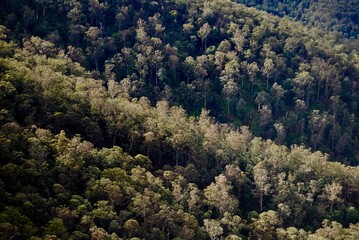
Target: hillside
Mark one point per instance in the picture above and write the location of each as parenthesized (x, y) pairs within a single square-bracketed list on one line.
[(283, 80), (341, 16), (182, 177), (174, 120)]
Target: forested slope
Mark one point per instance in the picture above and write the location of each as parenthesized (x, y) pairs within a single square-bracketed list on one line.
[(285, 81), (107, 127), (341, 16), (182, 177)]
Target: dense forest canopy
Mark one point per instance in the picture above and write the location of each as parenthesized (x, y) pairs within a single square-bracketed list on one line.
[(286, 81), (341, 16), (174, 119)]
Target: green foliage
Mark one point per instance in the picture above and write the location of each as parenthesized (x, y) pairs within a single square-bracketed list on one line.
[(335, 15), (15, 225), (94, 143), (258, 70), (57, 228)]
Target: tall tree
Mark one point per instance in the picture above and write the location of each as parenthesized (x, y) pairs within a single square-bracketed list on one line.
[(203, 33), (218, 195), (260, 175)]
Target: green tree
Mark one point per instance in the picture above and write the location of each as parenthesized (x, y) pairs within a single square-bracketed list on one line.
[(332, 192), (213, 228), (265, 226), (218, 195), (56, 227), (260, 175), (15, 225), (203, 33)]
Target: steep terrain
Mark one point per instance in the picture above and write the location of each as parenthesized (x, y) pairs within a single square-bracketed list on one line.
[(286, 81), (341, 16), (107, 127)]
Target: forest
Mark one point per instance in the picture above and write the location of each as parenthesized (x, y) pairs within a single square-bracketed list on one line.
[(179, 119), (341, 16)]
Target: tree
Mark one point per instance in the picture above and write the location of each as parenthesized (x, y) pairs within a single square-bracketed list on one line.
[(318, 123), (97, 11), (232, 224), (113, 88), (28, 17), (229, 78), (262, 99), (239, 40), (303, 82), (124, 58), (73, 153), (230, 89), (109, 74), (332, 193), (234, 174), (265, 116), (156, 24), (329, 230), (252, 70), (44, 5), (281, 133), (131, 227), (268, 70), (98, 233), (105, 188), (218, 195), (291, 233), (142, 67), (156, 60), (141, 34), (336, 107), (76, 25), (277, 92), (203, 33), (122, 15), (213, 228), (96, 48), (145, 204), (260, 175), (181, 141), (194, 199), (13, 224), (265, 226), (56, 227)]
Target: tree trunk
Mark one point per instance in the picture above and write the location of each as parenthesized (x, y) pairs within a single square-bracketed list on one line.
[(156, 77), (260, 201), (96, 63), (131, 145), (228, 101), (308, 95), (205, 100), (114, 138), (43, 12), (326, 89), (334, 132), (252, 81)]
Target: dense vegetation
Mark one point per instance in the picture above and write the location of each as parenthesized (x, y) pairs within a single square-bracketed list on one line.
[(284, 80), (107, 128), (341, 16)]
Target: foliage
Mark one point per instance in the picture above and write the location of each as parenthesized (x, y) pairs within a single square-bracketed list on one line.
[(95, 145)]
